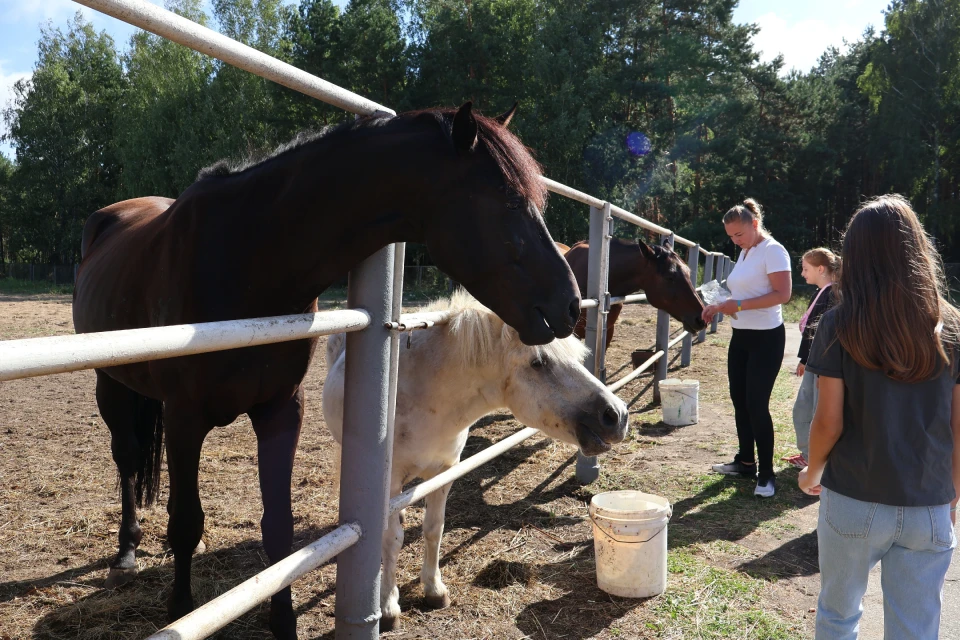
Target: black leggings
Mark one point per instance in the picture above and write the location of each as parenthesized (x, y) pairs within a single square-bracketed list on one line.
[(753, 363)]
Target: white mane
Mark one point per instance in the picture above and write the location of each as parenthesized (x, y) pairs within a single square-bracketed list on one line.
[(482, 334)]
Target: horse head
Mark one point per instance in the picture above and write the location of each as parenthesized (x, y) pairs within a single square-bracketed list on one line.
[(671, 289), (549, 388), (487, 232)]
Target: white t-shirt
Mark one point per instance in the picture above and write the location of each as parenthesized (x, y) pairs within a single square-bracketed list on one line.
[(749, 280)]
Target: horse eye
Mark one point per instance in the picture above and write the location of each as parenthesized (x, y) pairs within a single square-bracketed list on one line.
[(539, 363), (514, 204)]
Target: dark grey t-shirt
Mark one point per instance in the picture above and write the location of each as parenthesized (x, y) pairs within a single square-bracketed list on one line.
[(896, 447)]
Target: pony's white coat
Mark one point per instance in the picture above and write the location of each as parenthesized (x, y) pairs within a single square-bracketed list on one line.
[(450, 377)]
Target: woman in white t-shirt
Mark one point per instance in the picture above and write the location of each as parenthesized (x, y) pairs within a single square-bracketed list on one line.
[(760, 284)]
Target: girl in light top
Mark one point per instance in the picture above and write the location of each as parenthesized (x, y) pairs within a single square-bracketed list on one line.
[(820, 268), (760, 284)]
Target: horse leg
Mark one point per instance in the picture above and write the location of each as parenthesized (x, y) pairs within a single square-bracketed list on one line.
[(277, 425), (118, 408), (612, 316), (185, 434), (434, 591), (390, 552)]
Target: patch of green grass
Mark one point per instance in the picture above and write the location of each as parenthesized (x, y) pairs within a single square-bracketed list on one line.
[(703, 601), (15, 286), (781, 410), (794, 310)]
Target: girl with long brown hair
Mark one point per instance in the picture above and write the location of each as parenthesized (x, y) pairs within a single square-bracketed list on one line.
[(882, 444)]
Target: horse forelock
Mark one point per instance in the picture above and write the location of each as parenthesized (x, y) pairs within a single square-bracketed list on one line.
[(483, 337), (664, 257), (516, 162)]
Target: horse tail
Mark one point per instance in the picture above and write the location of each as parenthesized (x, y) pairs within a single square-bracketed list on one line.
[(149, 433), (336, 344)]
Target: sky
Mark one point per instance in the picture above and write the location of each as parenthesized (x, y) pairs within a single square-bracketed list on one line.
[(799, 29), (803, 29)]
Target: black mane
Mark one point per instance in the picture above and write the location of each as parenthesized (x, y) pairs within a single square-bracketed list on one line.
[(520, 170), (229, 167)]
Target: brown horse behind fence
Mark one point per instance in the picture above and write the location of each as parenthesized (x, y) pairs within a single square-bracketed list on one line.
[(657, 270), (264, 239)]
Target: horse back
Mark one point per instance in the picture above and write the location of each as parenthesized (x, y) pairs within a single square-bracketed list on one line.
[(120, 214), (110, 249)]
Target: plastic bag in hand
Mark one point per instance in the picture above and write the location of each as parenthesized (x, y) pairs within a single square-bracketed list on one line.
[(714, 293)]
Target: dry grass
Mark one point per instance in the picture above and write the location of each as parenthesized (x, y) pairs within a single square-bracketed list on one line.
[(518, 550)]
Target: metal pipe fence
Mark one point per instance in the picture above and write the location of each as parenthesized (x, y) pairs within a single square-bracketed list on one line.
[(373, 324), (229, 606)]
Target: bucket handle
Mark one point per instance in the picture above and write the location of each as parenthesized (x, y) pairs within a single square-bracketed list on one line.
[(604, 531)]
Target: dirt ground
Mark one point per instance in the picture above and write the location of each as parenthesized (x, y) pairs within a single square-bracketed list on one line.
[(518, 547)]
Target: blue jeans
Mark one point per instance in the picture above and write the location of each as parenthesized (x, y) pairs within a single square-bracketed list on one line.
[(803, 409), (913, 546)]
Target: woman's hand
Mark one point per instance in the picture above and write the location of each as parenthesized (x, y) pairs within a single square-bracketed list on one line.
[(809, 482), (800, 369), (728, 307)]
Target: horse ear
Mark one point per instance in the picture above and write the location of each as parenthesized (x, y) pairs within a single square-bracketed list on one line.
[(464, 131), (505, 117), (644, 248)]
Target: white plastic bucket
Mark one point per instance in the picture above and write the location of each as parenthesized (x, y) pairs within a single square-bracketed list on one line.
[(630, 541), (680, 401)]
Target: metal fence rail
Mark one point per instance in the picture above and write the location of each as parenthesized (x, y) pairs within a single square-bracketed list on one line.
[(373, 327), (227, 607), (59, 354)]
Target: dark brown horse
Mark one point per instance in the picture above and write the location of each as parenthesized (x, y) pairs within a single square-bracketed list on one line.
[(658, 271), (265, 239)]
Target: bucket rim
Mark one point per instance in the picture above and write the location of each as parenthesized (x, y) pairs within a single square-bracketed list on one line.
[(663, 509), (677, 382)]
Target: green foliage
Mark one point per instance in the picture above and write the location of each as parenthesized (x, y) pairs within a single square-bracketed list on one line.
[(163, 132), (63, 123), (707, 124), (6, 202)]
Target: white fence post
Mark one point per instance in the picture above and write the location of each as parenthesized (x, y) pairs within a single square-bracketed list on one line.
[(719, 278), (369, 385), (707, 277), (598, 271), (663, 338), (725, 271), (693, 262)]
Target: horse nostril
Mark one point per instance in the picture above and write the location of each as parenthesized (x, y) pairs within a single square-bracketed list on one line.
[(611, 419), (574, 311)]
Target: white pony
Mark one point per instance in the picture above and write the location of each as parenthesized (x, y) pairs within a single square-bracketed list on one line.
[(450, 377)]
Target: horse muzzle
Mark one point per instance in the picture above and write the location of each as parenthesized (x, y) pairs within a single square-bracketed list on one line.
[(693, 323), (608, 426)]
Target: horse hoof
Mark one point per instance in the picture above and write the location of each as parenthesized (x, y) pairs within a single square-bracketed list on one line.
[(283, 627), (119, 577), (389, 623), (437, 602), (200, 547)]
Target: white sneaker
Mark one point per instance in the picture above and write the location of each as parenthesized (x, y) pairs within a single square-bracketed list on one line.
[(766, 487)]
